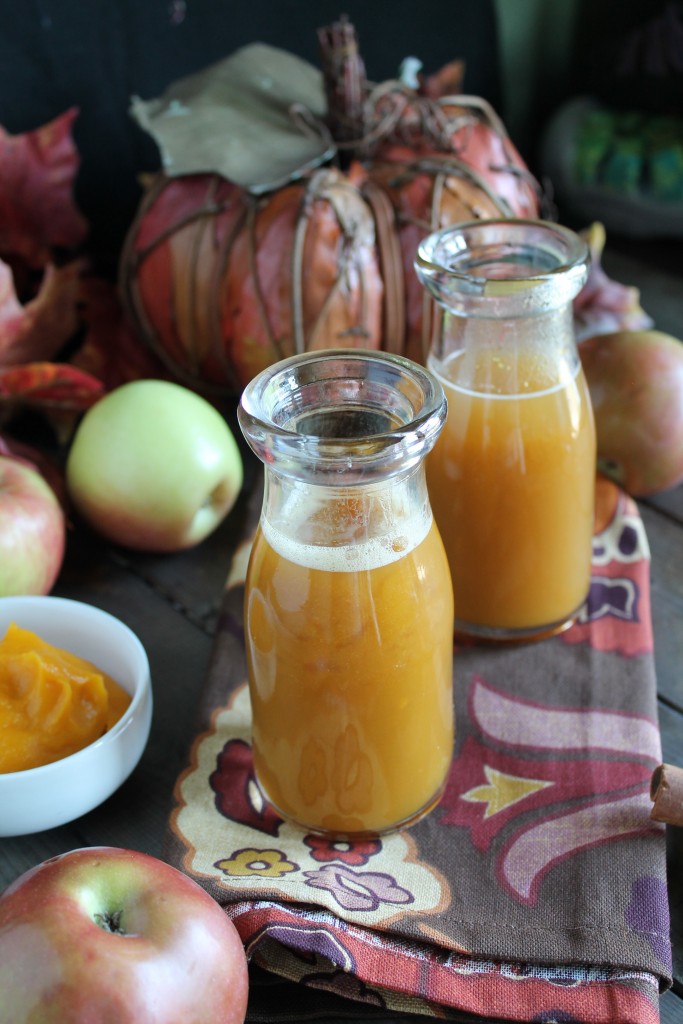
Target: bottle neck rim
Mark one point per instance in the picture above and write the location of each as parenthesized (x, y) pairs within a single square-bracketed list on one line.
[(342, 416), (503, 268)]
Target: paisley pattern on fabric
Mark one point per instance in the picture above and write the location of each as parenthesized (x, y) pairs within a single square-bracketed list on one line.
[(249, 849), (536, 890), (617, 615)]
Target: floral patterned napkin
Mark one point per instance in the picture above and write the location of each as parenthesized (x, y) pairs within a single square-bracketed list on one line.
[(536, 890)]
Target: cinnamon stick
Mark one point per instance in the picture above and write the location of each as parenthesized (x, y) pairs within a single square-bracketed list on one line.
[(666, 790)]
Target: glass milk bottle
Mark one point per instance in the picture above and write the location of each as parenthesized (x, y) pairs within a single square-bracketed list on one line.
[(348, 604), (512, 477)]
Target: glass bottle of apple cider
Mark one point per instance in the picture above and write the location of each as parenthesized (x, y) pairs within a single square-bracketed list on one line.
[(512, 476), (348, 604)]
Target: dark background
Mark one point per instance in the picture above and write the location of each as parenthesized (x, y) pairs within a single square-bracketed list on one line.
[(96, 54)]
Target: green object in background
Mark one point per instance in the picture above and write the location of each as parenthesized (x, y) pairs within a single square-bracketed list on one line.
[(666, 173), (623, 168), (663, 141), (593, 145), (631, 154)]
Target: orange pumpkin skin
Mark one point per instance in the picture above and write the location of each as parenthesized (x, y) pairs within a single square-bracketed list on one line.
[(169, 272), (425, 196), (482, 144), (481, 175), (221, 283), (463, 135), (448, 159)]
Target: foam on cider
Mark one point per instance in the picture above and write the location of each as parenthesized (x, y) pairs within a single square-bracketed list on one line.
[(356, 556)]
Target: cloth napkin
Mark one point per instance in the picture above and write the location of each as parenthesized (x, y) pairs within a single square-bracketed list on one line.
[(535, 891)]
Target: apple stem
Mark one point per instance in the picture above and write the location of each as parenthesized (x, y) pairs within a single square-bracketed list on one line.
[(110, 922)]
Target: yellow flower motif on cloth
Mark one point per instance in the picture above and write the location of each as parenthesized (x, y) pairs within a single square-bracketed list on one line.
[(268, 863)]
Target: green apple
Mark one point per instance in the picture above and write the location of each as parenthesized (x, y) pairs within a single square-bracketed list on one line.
[(153, 466)]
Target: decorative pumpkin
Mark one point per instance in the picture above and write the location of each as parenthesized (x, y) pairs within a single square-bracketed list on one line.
[(223, 278), (222, 283)]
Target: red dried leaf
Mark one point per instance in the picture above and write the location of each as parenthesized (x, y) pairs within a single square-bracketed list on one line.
[(59, 391), (37, 173), (603, 305), (57, 383), (447, 81), (37, 331), (50, 385), (112, 352)]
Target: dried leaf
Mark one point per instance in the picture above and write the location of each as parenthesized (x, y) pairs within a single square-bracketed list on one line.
[(37, 173), (112, 352), (447, 81), (256, 118), (37, 331), (58, 390), (604, 305), (56, 383)]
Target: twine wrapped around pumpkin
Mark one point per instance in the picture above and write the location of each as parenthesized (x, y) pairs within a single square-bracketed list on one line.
[(223, 283), (426, 194), (223, 279)]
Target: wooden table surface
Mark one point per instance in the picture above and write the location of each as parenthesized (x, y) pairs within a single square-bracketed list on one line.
[(172, 602)]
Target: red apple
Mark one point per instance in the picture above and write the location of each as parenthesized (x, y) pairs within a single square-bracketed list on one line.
[(107, 934), (153, 466), (635, 380), (32, 530)]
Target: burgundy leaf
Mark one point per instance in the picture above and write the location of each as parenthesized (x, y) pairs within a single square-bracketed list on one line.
[(37, 173), (37, 330)]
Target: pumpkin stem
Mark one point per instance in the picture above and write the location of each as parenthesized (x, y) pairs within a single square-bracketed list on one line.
[(345, 87)]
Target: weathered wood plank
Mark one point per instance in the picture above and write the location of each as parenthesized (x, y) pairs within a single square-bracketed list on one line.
[(665, 537), (669, 502), (671, 1008), (671, 726), (655, 268)]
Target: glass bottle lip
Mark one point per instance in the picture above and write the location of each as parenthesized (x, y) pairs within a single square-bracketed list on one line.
[(503, 267), (342, 416)]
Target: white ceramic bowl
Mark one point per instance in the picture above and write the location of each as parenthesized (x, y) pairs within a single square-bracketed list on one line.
[(53, 794)]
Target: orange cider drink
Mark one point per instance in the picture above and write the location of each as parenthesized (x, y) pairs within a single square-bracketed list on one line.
[(511, 482), (350, 664), (348, 595), (512, 475)]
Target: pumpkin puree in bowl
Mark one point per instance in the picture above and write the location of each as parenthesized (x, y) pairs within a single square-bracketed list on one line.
[(52, 703)]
